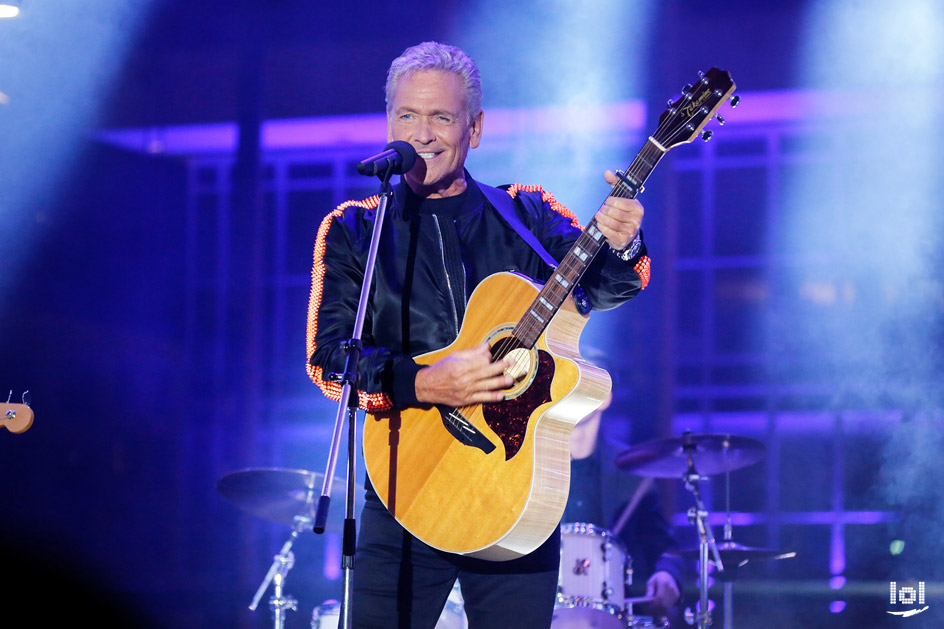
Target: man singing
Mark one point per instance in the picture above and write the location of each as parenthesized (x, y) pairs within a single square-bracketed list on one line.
[(440, 239)]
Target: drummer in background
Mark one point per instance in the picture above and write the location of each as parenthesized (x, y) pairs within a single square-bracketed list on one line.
[(600, 493)]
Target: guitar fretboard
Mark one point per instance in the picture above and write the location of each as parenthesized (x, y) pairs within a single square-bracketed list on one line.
[(582, 253)]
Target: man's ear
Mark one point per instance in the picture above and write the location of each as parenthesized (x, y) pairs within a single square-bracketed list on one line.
[(475, 134)]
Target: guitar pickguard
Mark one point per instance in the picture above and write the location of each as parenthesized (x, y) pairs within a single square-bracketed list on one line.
[(509, 419)]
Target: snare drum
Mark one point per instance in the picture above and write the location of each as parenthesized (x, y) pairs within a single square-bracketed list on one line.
[(594, 572)]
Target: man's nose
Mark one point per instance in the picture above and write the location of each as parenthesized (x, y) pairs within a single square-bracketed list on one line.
[(424, 132)]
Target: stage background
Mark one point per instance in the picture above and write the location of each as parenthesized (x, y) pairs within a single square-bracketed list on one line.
[(160, 199)]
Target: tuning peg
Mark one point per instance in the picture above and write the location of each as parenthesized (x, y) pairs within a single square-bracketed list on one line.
[(706, 135), (720, 119), (735, 100)]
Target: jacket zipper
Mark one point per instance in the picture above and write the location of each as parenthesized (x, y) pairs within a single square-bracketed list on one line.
[(452, 298)]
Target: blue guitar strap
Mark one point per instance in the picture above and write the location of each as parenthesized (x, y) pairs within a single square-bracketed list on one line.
[(502, 201)]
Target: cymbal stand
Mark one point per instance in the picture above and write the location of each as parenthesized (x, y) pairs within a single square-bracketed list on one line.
[(706, 540), (278, 572), (727, 579)]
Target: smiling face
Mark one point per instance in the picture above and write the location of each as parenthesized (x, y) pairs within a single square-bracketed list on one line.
[(429, 111)]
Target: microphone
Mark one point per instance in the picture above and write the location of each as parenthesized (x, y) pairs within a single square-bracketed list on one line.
[(397, 158)]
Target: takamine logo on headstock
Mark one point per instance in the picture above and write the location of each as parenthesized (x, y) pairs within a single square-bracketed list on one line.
[(16, 417)]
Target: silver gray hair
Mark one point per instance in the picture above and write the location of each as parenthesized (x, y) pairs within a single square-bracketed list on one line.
[(432, 55)]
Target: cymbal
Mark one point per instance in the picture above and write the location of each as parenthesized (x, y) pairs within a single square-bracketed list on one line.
[(738, 554), (711, 454), (283, 495)]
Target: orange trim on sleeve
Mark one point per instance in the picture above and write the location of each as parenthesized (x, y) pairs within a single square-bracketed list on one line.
[(332, 390), (642, 266), (643, 269)]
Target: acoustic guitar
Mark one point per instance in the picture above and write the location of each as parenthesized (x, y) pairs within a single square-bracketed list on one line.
[(491, 480)]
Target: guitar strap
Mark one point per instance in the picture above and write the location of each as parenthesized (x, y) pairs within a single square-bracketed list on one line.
[(502, 201)]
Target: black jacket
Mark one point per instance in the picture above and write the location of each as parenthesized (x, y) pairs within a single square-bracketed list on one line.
[(430, 260)]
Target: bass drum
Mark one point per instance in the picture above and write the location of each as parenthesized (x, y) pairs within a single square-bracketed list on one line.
[(328, 614), (594, 573)]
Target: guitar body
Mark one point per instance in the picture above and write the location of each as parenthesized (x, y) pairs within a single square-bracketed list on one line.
[(501, 494)]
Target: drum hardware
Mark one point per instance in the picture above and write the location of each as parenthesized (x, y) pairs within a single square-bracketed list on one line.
[(735, 556), (695, 458), (727, 585), (279, 603), (284, 496), (698, 515)]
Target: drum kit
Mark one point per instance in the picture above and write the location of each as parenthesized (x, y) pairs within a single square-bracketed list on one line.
[(595, 567)]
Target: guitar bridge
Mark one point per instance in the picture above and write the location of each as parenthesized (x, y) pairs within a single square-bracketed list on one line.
[(463, 430)]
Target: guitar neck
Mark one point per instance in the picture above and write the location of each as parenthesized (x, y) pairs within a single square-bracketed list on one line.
[(680, 124), (582, 253)]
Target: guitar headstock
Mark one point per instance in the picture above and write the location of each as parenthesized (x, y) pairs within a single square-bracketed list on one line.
[(16, 417), (685, 118)]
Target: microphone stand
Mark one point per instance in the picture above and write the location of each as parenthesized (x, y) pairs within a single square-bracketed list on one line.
[(347, 406)]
